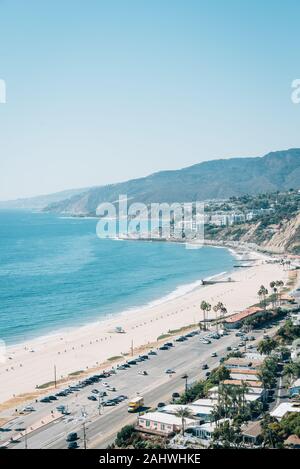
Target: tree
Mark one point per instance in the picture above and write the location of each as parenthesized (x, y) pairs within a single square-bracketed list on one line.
[(262, 293), (124, 436), (266, 346), (205, 308), (183, 413)]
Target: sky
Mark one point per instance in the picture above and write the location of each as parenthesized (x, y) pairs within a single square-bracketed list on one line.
[(101, 91)]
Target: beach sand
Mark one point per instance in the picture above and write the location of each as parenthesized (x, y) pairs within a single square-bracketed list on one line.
[(83, 348)]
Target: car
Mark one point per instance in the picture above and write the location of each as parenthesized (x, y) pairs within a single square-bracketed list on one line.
[(73, 445), (145, 357), (241, 344), (163, 347), (169, 344), (109, 403), (214, 354), (239, 334), (105, 384), (180, 339), (72, 436), (143, 373), (121, 367), (122, 397), (111, 388), (92, 398), (28, 408), (169, 371), (139, 359), (102, 393), (53, 398), (228, 349), (205, 341), (235, 349), (204, 366), (131, 362), (250, 346), (252, 337), (45, 400), (152, 352), (160, 405), (207, 374), (175, 395), (95, 391)]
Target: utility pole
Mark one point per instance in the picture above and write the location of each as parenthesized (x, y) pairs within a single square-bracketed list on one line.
[(25, 439), (185, 376), (84, 436)]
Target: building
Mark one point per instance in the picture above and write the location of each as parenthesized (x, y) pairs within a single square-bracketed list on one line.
[(292, 442), (252, 395), (206, 430), (202, 412), (238, 382), (242, 363), (161, 423), (251, 432), (284, 408), (236, 320), (243, 374), (294, 390)]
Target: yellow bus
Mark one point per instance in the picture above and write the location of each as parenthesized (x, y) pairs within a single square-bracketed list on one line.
[(135, 404)]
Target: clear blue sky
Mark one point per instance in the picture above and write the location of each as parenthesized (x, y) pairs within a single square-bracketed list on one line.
[(100, 91)]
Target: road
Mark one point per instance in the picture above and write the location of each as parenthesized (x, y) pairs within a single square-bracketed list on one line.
[(185, 357)]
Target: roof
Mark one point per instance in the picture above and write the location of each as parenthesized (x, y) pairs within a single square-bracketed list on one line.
[(243, 372), (292, 440), (296, 383), (204, 402), (283, 409), (210, 426), (244, 314), (252, 429), (194, 409), (243, 362), (168, 419), (239, 382)]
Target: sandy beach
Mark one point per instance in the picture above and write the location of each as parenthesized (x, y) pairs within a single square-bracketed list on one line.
[(32, 363)]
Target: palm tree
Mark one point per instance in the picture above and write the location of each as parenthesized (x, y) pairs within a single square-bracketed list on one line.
[(205, 307), (262, 293), (183, 413), (280, 284)]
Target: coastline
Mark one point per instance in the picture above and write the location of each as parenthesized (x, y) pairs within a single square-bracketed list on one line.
[(88, 347)]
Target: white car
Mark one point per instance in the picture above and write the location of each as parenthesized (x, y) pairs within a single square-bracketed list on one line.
[(169, 371), (28, 408), (205, 341), (105, 384), (214, 354)]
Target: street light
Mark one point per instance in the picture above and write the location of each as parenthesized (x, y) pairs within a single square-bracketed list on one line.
[(185, 376)]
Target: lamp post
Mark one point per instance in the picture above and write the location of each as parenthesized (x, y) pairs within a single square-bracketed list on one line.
[(185, 376)]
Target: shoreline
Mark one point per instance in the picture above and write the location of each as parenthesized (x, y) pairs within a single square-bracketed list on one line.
[(89, 347), (179, 291)]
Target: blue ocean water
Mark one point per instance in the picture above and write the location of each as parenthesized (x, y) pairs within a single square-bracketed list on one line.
[(55, 273)]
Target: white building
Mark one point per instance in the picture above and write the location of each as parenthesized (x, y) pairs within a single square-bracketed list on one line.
[(284, 408), (162, 423)]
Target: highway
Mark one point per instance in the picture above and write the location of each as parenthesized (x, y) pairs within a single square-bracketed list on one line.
[(185, 357)]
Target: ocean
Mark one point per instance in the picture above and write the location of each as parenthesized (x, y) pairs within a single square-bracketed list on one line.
[(55, 273)]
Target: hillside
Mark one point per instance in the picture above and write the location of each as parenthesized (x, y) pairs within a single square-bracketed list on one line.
[(271, 220), (218, 179)]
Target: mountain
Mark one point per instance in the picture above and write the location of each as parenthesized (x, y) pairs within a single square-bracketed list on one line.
[(41, 201), (217, 179)]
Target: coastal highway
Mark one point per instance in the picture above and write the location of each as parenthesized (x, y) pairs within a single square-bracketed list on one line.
[(185, 357)]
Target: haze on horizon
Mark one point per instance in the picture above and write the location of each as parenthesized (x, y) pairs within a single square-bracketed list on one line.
[(108, 91)]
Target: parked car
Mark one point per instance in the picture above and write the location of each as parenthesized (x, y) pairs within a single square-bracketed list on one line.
[(160, 405), (152, 352), (72, 436), (214, 354), (45, 399), (73, 445), (175, 395), (92, 398), (204, 366)]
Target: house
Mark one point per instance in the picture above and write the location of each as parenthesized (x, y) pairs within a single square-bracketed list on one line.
[(294, 389), (206, 430), (203, 413), (251, 432), (242, 363), (284, 408), (236, 320), (243, 375), (194, 408), (292, 442), (163, 424), (252, 395), (239, 382)]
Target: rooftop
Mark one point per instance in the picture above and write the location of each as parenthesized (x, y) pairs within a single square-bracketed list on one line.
[(244, 314), (243, 371), (252, 429), (242, 362), (284, 408), (239, 382), (168, 419)]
